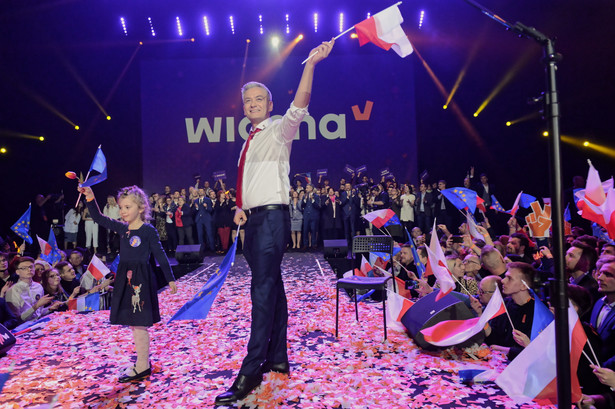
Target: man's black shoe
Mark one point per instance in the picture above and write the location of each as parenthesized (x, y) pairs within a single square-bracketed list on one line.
[(281, 367), (241, 388)]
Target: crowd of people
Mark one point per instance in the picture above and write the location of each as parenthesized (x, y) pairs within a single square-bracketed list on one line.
[(510, 260)]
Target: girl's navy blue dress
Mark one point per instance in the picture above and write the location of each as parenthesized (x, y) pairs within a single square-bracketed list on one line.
[(135, 295)]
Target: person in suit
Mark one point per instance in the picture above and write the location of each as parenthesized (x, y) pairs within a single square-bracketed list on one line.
[(332, 215), (351, 209), (262, 205), (484, 190), (444, 210), (203, 209), (423, 208), (603, 313), (311, 216)]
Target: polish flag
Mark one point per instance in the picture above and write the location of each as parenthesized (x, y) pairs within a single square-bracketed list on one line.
[(515, 207), (384, 30), (365, 266), (480, 204), (379, 217), (396, 308), (532, 375), (45, 247), (438, 265), (98, 269), (454, 332), (609, 213)]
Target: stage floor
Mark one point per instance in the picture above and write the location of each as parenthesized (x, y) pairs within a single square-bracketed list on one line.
[(77, 357)]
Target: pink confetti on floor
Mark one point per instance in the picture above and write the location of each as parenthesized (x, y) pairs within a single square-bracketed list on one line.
[(78, 357)]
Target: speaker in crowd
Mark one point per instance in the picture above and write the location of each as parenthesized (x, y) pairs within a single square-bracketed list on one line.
[(427, 312), (7, 340), (335, 248), (188, 254)]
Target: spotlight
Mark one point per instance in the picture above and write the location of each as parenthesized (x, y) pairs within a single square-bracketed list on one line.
[(369, 14), (586, 143), (230, 19), (287, 25), (151, 26), (260, 22), (275, 41), (341, 22), (545, 133), (508, 123), (248, 40), (475, 114), (421, 19), (316, 22), (354, 35), (3, 150), (41, 138), (76, 127), (192, 40), (179, 27), (445, 107), (298, 38), (108, 117), (140, 42), (206, 25), (123, 21)]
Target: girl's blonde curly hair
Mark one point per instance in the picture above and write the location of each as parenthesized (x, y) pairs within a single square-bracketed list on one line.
[(140, 199)]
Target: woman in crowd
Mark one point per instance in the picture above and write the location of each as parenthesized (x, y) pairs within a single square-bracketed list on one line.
[(160, 220), (169, 208), (91, 230), (112, 211), (71, 225), (296, 219), (184, 221), (223, 220), (51, 285), (407, 208), (332, 215)]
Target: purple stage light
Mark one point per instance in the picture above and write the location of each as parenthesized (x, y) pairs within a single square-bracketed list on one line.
[(151, 26), (123, 21), (422, 16), (316, 22), (206, 25), (232, 24), (260, 22), (341, 22), (287, 25), (179, 27)]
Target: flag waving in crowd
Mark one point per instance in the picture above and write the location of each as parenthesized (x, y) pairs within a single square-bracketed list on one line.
[(438, 265), (597, 201), (384, 30), (99, 164), (22, 226)]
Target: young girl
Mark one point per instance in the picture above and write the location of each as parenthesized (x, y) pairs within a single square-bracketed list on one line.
[(135, 299)]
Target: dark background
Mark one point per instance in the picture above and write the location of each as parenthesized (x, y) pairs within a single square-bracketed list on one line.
[(46, 45)]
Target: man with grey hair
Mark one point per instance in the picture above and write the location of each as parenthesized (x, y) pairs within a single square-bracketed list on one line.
[(262, 205)]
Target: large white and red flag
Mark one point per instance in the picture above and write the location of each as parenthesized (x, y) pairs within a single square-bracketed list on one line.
[(97, 268), (437, 261), (396, 308), (597, 201), (532, 375), (454, 332), (384, 30)]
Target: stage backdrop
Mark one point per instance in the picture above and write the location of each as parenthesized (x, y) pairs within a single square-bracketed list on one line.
[(362, 113)]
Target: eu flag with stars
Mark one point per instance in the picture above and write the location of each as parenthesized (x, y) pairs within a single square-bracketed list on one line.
[(198, 307), (461, 198), (22, 226), (99, 164), (55, 256), (495, 205)]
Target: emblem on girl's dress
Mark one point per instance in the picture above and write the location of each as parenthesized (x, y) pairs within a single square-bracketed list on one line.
[(136, 298), (135, 241)]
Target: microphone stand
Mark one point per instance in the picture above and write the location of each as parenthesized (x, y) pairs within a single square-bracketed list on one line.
[(559, 284)]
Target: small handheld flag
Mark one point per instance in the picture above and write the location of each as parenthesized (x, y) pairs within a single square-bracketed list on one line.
[(22, 225), (97, 268), (461, 198), (99, 164)]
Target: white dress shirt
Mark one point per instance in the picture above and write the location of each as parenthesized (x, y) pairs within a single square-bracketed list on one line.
[(21, 298), (265, 177)]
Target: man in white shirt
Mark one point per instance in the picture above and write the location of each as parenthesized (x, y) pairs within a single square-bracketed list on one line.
[(262, 201), (26, 298)]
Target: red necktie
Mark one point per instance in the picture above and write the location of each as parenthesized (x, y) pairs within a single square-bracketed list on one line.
[(242, 162)]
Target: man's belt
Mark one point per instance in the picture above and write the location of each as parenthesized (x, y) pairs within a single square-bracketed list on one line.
[(266, 207)]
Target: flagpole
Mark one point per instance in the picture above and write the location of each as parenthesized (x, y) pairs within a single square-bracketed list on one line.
[(341, 34), (589, 359), (508, 315)]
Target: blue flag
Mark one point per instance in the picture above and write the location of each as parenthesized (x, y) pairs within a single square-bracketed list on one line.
[(526, 200), (542, 316), (115, 264), (55, 256), (495, 205), (22, 226), (198, 307), (99, 164), (420, 267), (567, 216), (461, 198), (92, 302), (394, 220)]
